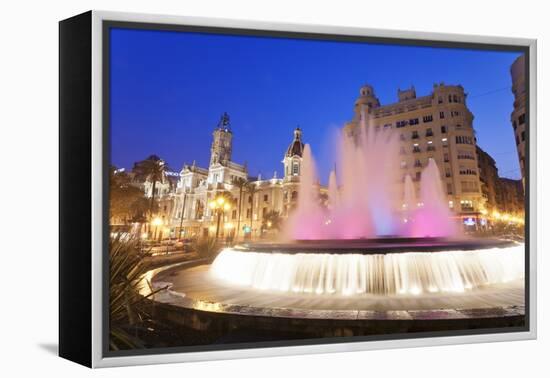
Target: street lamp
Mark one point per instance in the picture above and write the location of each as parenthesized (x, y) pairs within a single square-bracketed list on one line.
[(156, 222), (219, 206)]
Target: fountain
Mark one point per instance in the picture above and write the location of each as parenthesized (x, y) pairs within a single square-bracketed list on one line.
[(370, 247)]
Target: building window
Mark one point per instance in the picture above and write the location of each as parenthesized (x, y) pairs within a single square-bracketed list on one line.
[(447, 172), (264, 212), (429, 132), (387, 126), (266, 197), (460, 139), (295, 169), (417, 163), (468, 186), (446, 157), (450, 191), (415, 134), (294, 195), (250, 199), (521, 119), (413, 121), (427, 118), (455, 99), (465, 155), (468, 172), (441, 115), (443, 129), (467, 205), (440, 100), (401, 124), (523, 136), (234, 214), (431, 147), (416, 148)]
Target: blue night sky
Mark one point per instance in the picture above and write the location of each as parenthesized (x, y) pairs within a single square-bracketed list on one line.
[(168, 90)]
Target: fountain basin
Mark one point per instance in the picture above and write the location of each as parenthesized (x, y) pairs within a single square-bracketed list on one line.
[(358, 267), (495, 274)]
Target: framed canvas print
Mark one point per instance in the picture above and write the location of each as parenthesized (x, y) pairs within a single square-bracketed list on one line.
[(233, 189)]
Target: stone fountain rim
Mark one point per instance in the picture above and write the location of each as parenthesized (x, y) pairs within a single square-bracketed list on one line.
[(383, 245)]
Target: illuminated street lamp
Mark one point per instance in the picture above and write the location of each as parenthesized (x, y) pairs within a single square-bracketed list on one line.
[(156, 222), (219, 206)]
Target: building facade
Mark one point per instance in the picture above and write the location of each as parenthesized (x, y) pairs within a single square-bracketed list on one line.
[(502, 195), (437, 126), (518, 118), (489, 180), (251, 199)]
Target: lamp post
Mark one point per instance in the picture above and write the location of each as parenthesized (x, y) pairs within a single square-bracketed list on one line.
[(219, 206), (156, 222)]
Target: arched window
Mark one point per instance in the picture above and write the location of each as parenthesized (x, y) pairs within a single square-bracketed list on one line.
[(295, 169), (294, 195)]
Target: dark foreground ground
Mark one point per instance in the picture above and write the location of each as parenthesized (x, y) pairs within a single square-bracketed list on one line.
[(177, 327)]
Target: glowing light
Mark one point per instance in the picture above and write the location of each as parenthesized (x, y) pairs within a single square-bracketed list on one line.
[(358, 274), (469, 222), (226, 206), (220, 201), (157, 221), (212, 205)]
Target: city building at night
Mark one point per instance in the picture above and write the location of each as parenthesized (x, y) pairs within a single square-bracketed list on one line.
[(519, 123), (197, 187), (502, 195), (436, 126)]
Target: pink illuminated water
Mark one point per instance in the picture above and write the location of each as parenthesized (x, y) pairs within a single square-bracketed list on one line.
[(365, 198)]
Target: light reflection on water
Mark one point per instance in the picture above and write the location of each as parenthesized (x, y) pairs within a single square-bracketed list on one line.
[(411, 273)]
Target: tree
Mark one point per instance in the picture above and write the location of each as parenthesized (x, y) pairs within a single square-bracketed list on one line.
[(240, 183), (252, 189), (125, 200), (272, 219), (152, 169)]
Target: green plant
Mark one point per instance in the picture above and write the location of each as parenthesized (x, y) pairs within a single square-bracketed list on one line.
[(128, 308), (152, 169), (272, 220), (240, 183)]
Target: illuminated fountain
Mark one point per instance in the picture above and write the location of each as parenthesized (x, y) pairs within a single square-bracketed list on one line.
[(364, 204), (369, 247)]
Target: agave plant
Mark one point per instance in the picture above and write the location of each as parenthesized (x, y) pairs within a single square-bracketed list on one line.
[(128, 308)]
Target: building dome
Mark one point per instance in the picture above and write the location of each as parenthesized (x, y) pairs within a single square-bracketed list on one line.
[(296, 148)]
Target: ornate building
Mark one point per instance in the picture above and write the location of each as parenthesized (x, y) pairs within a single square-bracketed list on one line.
[(245, 218), (437, 126)]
